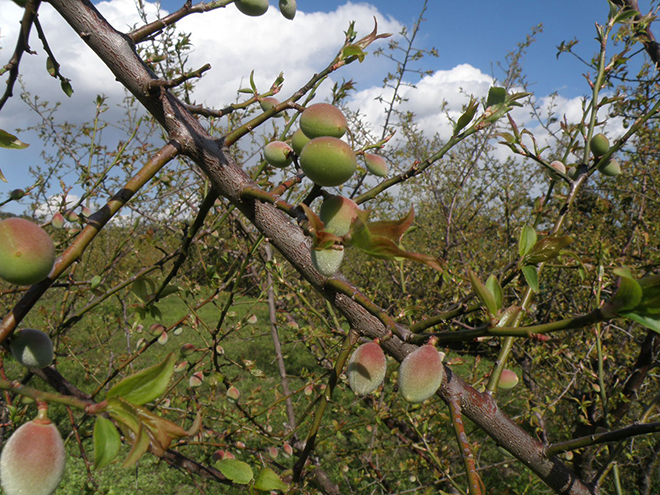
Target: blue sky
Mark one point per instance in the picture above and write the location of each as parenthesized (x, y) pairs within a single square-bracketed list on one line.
[(471, 37)]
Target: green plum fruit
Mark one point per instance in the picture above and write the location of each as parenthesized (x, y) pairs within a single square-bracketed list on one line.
[(288, 8), (268, 102), (32, 460), (298, 141), (337, 214), (278, 154), (599, 145), (366, 368), (32, 348), (420, 374), (26, 250), (323, 119), (253, 8), (508, 380), (611, 168), (376, 164), (328, 161), (16, 194), (327, 261)]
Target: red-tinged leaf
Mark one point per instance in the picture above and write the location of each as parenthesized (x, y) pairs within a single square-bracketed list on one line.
[(546, 249), (321, 238), (145, 385), (140, 446), (106, 442)]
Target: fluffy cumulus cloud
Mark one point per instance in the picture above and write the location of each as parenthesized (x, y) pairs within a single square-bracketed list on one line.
[(235, 45)]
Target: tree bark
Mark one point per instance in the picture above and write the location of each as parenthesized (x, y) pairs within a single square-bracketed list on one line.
[(118, 53)]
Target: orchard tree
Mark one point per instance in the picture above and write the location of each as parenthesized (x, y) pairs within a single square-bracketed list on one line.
[(265, 310)]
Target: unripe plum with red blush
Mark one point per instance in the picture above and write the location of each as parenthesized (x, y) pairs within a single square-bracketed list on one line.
[(366, 368), (323, 119), (26, 250), (33, 459), (278, 154), (420, 374)]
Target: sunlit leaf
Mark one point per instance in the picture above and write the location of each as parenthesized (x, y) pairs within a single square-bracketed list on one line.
[(106, 442), (236, 471), (531, 276), (486, 297), (10, 141), (147, 384), (494, 287), (467, 116), (496, 96), (527, 240), (267, 480), (547, 249)]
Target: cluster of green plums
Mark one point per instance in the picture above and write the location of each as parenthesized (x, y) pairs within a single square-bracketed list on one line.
[(599, 146), (324, 157), (255, 8), (328, 161)]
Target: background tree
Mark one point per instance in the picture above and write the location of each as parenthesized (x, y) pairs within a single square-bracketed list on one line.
[(184, 326)]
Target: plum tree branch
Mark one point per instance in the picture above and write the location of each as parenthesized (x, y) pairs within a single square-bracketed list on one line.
[(118, 52)]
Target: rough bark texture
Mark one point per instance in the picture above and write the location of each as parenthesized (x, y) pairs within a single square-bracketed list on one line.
[(117, 52)]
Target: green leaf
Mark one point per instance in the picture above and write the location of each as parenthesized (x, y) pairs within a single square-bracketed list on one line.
[(51, 66), (140, 290), (496, 96), (467, 116), (12, 142), (546, 249), (66, 87), (493, 285), (252, 84), (527, 240), (627, 296), (106, 442), (484, 294), (169, 290), (236, 471), (2, 176), (267, 480), (353, 51), (531, 276), (145, 385)]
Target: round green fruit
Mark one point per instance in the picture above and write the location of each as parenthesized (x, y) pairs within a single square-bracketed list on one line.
[(26, 250), (328, 161), (366, 368), (323, 119), (420, 374), (253, 8), (32, 348), (376, 164), (337, 214), (559, 167), (278, 154), (327, 261), (33, 459), (288, 8), (599, 145), (610, 169), (508, 380), (298, 141), (268, 102), (16, 194)]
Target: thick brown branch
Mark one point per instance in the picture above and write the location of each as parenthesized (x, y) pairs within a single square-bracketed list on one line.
[(118, 53)]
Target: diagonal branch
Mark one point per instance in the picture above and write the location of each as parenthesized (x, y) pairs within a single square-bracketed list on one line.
[(118, 53)]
